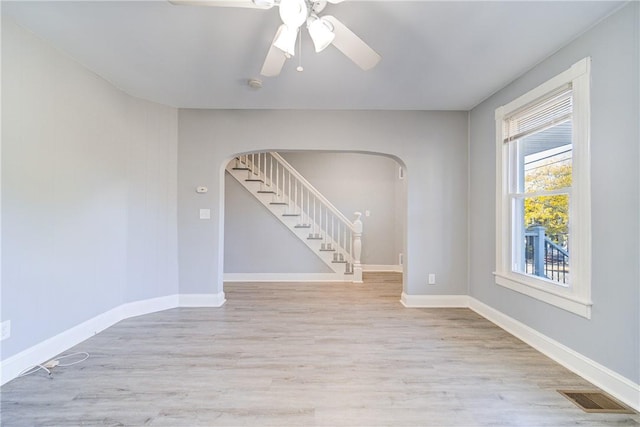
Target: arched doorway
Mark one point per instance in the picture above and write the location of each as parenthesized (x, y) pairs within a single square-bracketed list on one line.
[(257, 248)]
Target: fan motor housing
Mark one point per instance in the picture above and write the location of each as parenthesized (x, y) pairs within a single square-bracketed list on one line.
[(317, 6)]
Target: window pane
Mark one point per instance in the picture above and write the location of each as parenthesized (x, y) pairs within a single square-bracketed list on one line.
[(543, 226), (545, 159)]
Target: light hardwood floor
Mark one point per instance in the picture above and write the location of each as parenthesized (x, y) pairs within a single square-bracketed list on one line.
[(304, 355)]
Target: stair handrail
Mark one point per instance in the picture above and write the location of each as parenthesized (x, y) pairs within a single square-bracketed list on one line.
[(316, 192), (555, 246)]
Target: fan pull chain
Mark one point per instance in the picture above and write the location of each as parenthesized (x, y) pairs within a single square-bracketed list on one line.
[(299, 68)]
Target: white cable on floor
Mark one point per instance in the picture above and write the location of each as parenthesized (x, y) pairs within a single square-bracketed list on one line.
[(86, 356), (55, 362), (32, 370)]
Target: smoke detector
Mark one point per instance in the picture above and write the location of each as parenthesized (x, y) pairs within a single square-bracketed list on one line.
[(255, 83)]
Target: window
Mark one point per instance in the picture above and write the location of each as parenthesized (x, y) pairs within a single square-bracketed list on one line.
[(543, 245)]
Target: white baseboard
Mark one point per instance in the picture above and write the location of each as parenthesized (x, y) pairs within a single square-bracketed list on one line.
[(11, 367), (434, 301), (611, 382), (139, 308), (305, 277), (382, 268), (201, 300), (286, 277)]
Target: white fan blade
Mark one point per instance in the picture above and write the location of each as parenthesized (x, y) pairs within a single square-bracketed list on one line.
[(353, 46), (275, 58), (223, 3)]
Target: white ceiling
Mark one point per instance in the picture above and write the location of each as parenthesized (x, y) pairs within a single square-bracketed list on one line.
[(446, 55)]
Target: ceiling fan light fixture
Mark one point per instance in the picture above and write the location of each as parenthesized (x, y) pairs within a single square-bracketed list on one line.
[(286, 40), (321, 32), (264, 3), (293, 12)]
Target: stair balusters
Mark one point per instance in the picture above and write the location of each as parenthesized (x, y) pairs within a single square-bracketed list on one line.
[(277, 182), (357, 248), (271, 173), (325, 223), (289, 194)]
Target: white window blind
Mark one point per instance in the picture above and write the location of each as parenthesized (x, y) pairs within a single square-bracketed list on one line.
[(557, 108)]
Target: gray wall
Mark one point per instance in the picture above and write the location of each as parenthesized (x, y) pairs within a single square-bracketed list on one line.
[(357, 182), (612, 336), (433, 145), (88, 193), (257, 242)]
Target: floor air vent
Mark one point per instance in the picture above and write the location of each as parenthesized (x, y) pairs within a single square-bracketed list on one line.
[(596, 402)]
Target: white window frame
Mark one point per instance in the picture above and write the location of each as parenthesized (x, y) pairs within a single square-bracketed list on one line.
[(576, 297)]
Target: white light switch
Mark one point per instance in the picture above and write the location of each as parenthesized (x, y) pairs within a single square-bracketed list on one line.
[(367, 213), (432, 279), (205, 213)]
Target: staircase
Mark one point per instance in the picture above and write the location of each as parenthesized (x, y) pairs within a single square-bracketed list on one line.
[(304, 210)]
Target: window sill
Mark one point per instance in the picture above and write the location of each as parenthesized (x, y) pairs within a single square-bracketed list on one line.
[(558, 298)]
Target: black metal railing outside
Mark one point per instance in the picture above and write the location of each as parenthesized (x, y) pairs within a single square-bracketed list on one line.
[(546, 256)]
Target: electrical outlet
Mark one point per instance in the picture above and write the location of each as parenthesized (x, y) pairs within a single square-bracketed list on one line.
[(5, 330), (432, 279)]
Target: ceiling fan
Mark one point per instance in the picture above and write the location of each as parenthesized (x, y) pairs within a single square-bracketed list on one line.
[(324, 30)]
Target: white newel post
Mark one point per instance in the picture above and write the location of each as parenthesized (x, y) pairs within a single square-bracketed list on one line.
[(357, 248)]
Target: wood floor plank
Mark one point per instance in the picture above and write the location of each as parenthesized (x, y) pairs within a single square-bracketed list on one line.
[(283, 354)]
